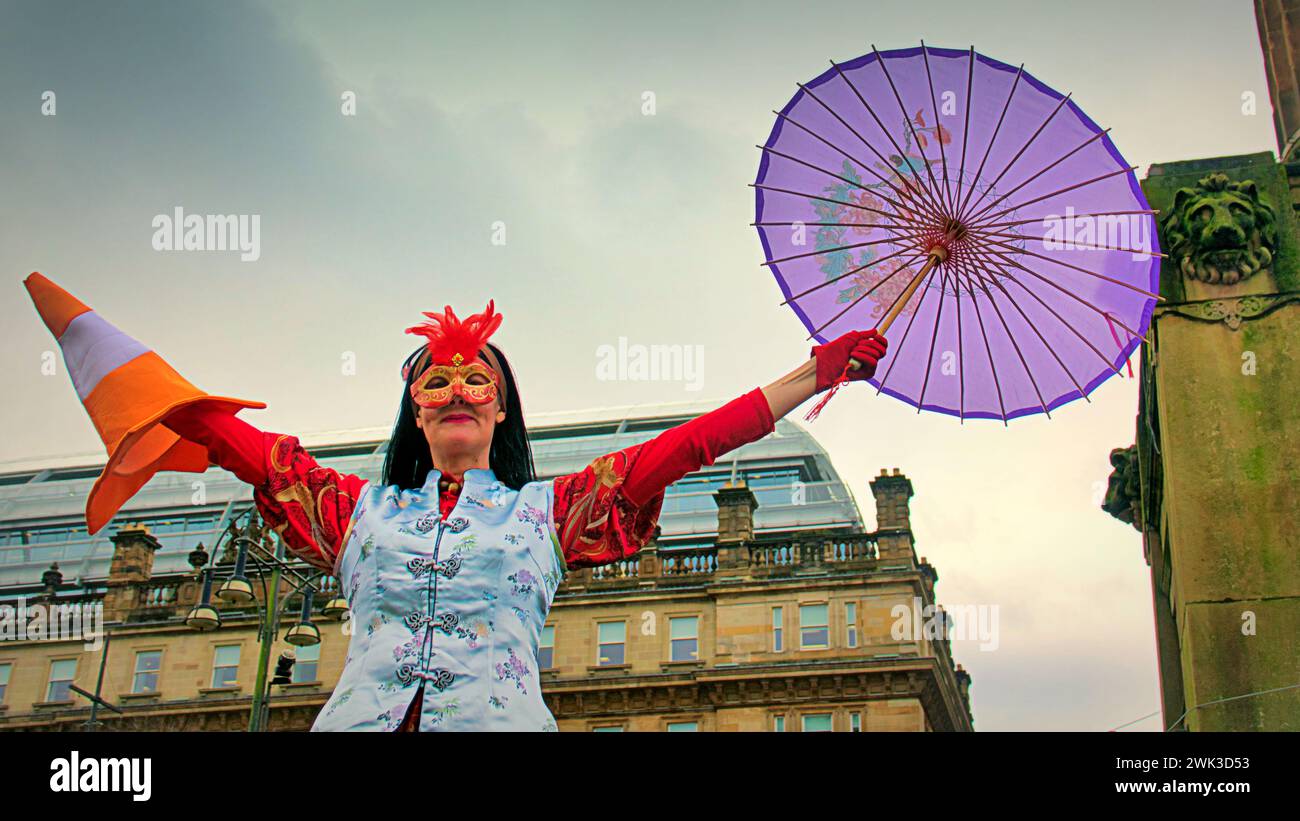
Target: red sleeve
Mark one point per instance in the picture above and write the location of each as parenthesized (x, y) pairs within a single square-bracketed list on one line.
[(699, 442), (608, 511), (595, 522), (308, 505)]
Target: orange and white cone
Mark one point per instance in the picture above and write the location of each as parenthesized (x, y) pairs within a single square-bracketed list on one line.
[(127, 389)]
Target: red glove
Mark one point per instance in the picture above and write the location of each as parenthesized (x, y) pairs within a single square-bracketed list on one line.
[(867, 347), (232, 443)]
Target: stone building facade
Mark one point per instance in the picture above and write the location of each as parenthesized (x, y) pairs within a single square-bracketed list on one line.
[(770, 632)]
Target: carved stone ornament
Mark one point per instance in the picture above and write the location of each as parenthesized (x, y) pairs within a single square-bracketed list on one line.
[(1123, 491), (1231, 311), (1220, 232)]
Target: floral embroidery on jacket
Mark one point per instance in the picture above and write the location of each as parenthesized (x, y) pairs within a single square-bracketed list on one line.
[(534, 516), (466, 544), (378, 621), (409, 648), (552, 579), (448, 710), (514, 670), (339, 700), (523, 582), (390, 723), (474, 631)]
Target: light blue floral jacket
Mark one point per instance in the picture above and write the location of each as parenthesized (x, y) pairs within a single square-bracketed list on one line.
[(458, 604)]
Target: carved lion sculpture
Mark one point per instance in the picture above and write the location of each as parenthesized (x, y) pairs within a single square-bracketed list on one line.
[(1123, 491), (1220, 232)]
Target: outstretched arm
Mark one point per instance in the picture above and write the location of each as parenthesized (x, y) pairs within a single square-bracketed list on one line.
[(308, 505), (828, 364), (608, 511)]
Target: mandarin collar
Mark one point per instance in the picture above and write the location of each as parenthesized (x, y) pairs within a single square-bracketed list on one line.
[(472, 476)]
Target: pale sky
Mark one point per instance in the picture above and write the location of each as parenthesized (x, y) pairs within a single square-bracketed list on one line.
[(617, 225)]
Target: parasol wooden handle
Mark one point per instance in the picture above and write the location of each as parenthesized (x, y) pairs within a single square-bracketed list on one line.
[(937, 255)]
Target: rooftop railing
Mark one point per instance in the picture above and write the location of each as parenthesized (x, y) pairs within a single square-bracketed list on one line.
[(763, 557)]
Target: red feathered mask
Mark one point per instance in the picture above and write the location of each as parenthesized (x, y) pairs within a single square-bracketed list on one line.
[(453, 355)]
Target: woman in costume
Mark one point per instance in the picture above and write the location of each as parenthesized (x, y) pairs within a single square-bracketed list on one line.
[(451, 561)]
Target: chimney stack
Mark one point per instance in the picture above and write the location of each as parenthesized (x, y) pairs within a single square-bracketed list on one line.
[(893, 518), (736, 505), (133, 550)]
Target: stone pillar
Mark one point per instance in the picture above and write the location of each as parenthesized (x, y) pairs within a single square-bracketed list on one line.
[(133, 551), (736, 503), (893, 518), (1279, 37), (1219, 443), (648, 558)]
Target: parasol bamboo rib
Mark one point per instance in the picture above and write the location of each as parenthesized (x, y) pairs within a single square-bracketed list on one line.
[(864, 295), (984, 275), (919, 184), (897, 205), (936, 256), (934, 107), (917, 194), (938, 195), (833, 280), (918, 187)]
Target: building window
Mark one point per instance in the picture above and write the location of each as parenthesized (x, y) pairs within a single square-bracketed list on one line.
[(225, 666), (817, 723), (4, 680), (609, 728), (778, 724), (307, 666), (683, 727), (147, 665), (611, 638), (546, 648), (851, 622), (813, 630), (684, 633), (777, 619), (62, 674), (855, 722)]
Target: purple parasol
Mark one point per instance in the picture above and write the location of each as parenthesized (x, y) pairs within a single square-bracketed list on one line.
[(980, 209)]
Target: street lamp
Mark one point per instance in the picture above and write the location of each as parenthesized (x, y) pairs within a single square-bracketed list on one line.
[(304, 633), (237, 590), (203, 616), (335, 608)]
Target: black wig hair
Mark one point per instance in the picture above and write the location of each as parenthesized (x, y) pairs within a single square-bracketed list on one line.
[(408, 461)]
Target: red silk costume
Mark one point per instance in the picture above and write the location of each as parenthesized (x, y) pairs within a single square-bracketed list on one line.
[(604, 513)]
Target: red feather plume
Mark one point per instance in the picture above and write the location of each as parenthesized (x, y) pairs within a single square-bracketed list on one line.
[(449, 335)]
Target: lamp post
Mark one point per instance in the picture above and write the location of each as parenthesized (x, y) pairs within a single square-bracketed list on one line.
[(252, 544), (96, 698)]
